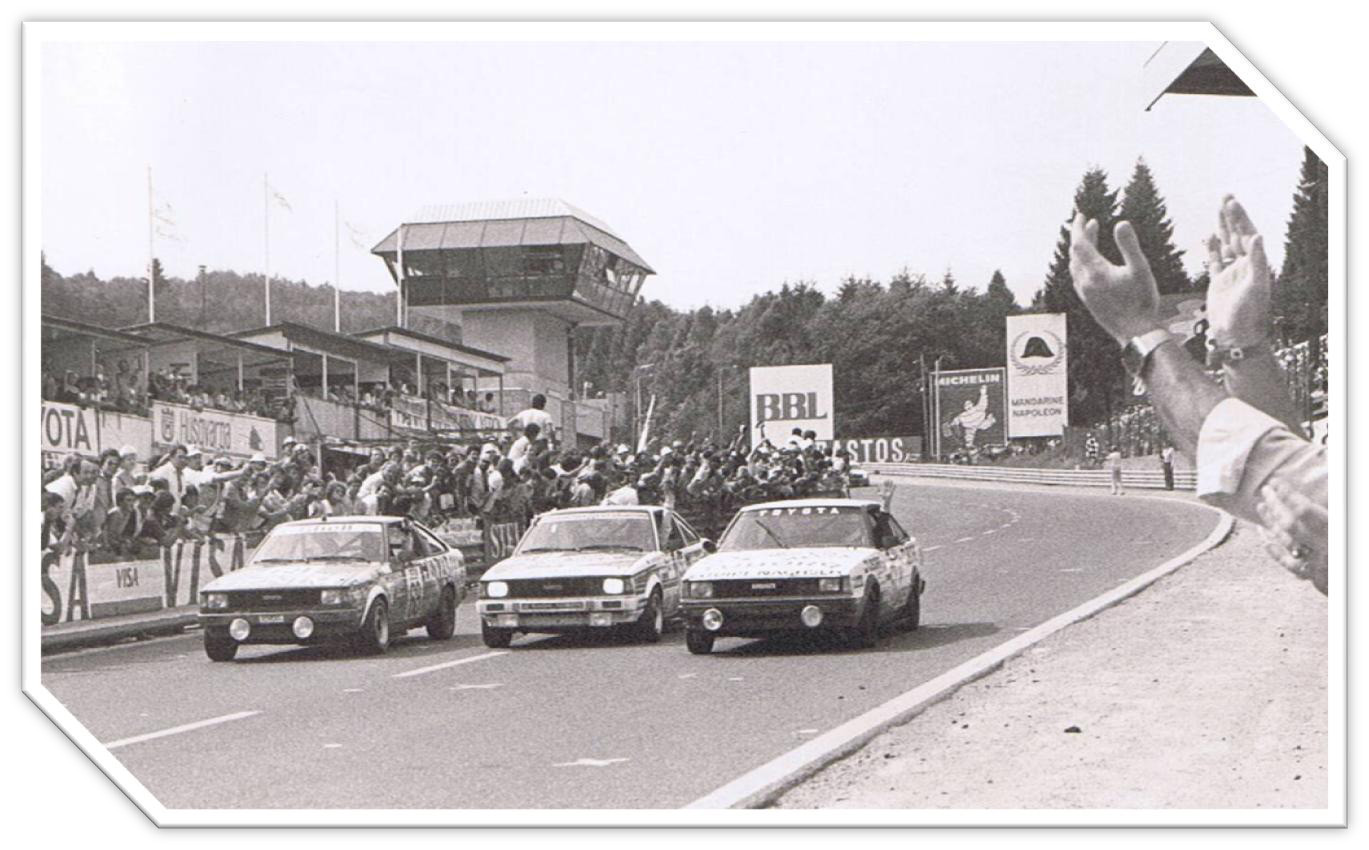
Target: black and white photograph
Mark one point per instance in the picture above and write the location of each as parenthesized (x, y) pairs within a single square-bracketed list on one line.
[(693, 425)]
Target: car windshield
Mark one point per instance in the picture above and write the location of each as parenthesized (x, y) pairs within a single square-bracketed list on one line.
[(628, 532), (785, 528), (323, 542)]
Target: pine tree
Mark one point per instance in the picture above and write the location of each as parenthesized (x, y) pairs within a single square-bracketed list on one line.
[(999, 296), (1145, 209), (1300, 292), (1095, 370)]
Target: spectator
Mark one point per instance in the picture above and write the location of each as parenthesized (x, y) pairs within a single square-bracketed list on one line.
[(1249, 454), (536, 414), (1167, 463), (172, 471), (1115, 470)]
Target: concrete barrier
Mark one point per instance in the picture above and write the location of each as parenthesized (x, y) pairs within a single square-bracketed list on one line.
[(1137, 479)]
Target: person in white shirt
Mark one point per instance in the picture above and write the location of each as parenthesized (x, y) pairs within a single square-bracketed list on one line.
[(518, 452), (1115, 470), (537, 415), (173, 472)]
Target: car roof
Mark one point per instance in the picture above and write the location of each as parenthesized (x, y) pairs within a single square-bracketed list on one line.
[(603, 509), (813, 503)]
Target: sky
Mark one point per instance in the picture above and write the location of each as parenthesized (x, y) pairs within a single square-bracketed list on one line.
[(732, 168)]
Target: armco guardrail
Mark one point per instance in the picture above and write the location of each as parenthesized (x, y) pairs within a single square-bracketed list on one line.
[(1144, 479)]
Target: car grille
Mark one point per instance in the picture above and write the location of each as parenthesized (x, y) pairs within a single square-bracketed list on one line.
[(272, 600), (553, 587), (749, 588)]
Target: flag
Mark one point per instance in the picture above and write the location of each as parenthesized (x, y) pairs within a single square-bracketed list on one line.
[(280, 199), (355, 234), (164, 224), (646, 425)]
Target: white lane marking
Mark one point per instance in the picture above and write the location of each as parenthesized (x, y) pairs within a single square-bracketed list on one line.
[(176, 730), (771, 779), (1072, 570), (930, 548), (491, 686), (965, 540), (352, 690), (806, 732), (988, 532), (734, 678), (444, 665), (687, 675), (331, 746), (590, 762)]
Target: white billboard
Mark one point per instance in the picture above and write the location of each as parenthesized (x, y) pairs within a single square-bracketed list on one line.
[(787, 397), (213, 431), (1038, 390)]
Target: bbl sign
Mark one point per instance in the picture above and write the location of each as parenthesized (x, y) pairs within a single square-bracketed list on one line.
[(970, 409), (787, 397), (1038, 389)]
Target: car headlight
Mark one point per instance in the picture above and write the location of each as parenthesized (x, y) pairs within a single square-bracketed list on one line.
[(334, 596), (831, 585), (615, 586), (701, 589), (496, 589), (215, 600)]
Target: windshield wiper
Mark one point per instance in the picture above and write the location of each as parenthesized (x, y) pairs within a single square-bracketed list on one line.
[(773, 536), (546, 549), (625, 546), (315, 558), (276, 561)]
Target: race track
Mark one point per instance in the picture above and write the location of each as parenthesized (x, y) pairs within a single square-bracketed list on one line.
[(558, 722)]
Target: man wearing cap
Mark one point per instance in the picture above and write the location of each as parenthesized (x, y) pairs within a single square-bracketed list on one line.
[(125, 478)]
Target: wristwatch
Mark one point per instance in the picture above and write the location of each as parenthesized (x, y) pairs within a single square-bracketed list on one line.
[(1137, 352)]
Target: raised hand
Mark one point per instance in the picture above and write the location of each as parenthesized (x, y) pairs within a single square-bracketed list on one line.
[(1123, 299), (1239, 292)]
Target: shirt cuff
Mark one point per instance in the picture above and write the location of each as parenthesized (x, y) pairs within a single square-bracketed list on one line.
[(1228, 435)]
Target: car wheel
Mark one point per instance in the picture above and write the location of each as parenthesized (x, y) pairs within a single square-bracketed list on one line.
[(495, 638), (865, 635), (651, 624), (912, 612), (375, 629), (442, 624), (219, 647), (698, 641)]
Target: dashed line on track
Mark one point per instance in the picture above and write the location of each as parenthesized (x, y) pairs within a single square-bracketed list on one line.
[(176, 730), (590, 762), (930, 548), (432, 668), (965, 539)]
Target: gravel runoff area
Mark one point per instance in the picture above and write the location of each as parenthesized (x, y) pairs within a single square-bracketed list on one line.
[(1206, 690)]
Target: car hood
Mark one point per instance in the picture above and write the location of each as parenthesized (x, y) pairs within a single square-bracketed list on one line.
[(567, 564), (784, 563), (282, 576)]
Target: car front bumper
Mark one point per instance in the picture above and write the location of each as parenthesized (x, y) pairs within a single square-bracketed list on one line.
[(560, 615), (277, 627), (753, 617)]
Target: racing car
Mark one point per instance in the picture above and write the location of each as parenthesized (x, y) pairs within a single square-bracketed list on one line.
[(842, 566), (592, 568), (364, 578)]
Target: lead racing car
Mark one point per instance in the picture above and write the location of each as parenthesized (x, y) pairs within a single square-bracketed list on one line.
[(807, 565), (591, 568), (364, 578)]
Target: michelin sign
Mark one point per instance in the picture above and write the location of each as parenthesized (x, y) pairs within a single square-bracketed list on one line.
[(1038, 390)]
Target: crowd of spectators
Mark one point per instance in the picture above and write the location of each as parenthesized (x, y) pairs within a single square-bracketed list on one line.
[(118, 507)]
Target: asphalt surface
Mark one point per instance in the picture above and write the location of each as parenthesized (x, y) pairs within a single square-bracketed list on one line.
[(560, 722)]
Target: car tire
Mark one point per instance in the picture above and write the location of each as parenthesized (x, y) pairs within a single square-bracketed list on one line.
[(651, 625), (495, 638), (374, 637), (912, 612), (219, 647), (698, 641), (442, 624), (865, 634)]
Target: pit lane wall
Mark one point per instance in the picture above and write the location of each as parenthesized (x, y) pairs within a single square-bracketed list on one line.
[(1135, 479)]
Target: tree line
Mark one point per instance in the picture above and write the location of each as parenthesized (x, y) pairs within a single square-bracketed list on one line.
[(874, 333)]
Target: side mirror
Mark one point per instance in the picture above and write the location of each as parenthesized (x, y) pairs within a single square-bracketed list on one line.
[(709, 546)]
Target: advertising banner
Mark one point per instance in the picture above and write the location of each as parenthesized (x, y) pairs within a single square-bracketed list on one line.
[(1038, 388), (787, 397), (69, 429), (879, 449), (87, 586), (213, 431), (970, 409), (412, 413)]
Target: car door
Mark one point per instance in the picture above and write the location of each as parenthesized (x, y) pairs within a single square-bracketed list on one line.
[(396, 581), (433, 567), (901, 553)]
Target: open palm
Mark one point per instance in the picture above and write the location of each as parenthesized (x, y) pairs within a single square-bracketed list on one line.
[(1239, 293)]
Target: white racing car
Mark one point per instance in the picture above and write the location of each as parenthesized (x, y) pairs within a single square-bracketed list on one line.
[(591, 568), (806, 565)]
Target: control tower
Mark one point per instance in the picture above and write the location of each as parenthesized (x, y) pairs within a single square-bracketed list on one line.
[(518, 277)]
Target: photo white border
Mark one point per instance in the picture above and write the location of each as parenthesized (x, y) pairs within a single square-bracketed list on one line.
[(36, 35)]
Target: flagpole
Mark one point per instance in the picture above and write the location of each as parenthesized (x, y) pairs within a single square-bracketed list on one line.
[(337, 274), (151, 255), (266, 241), (399, 299)]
